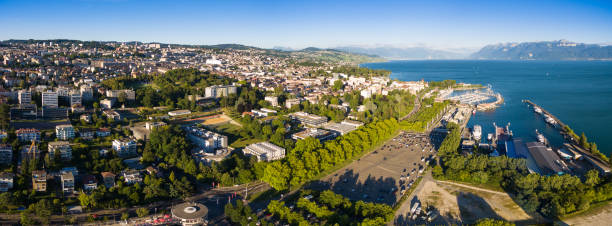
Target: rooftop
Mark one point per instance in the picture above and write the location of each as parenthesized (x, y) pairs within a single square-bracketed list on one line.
[(189, 210)]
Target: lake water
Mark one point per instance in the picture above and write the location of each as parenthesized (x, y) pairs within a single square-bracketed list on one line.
[(579, 93)]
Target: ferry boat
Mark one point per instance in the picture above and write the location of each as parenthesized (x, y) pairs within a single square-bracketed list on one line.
[(477, 132)]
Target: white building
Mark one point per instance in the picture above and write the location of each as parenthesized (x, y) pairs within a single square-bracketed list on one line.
[(206, 140), (220, 91), (292, 102), (126, 147), (265, 151), (64, 132), (24, 97), (273, 100), (263, 112), (179, 112), (132, 176), (107, 103), (49, 98), (151, 125)]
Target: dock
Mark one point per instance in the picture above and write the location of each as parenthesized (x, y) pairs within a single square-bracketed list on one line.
[(561, 124), (599, 164)]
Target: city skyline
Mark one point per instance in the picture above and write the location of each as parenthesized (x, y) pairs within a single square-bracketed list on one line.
[(439, 25)]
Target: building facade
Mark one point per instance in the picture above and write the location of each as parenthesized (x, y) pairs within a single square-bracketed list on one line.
[(64, 132)]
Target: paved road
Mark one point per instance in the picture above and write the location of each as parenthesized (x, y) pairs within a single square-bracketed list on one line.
[(417, 106)]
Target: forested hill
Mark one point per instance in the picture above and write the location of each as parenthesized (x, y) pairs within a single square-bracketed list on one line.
[(552, 50)]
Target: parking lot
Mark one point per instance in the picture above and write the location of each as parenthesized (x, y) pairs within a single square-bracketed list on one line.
[(383, 175)]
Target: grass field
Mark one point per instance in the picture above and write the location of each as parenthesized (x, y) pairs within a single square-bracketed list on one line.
[(242, 142)]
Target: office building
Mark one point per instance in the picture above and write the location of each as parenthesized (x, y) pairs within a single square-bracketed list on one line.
[(50, 99), (24, 97), (265, 151), (308, 119), (54, 112), (319, 134), (206, 140), (76, 98), (219, 91)]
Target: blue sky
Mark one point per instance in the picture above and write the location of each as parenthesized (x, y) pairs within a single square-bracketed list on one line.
[(438, 24)]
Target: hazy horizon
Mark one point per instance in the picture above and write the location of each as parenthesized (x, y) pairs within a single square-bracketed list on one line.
[(443, 25)]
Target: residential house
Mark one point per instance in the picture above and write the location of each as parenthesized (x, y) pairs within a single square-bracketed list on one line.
[(132, 176), (108, 178), (67, 182), (90, 183), (39, 180)]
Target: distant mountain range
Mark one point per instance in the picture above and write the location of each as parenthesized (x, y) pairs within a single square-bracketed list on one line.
[(405, 53), (550, 50), (545, 50)]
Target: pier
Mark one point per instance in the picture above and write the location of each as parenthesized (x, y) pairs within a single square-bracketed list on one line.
[(561, 124), (595, 161)]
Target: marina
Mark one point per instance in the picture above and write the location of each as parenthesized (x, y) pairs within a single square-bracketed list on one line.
[(482, 99)]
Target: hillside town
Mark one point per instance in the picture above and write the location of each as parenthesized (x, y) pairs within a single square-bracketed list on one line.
[(162, 134), (79, 114)]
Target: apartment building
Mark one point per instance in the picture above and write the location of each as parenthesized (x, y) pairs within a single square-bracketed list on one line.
[(62, 148), (39, 180), (64, 132)]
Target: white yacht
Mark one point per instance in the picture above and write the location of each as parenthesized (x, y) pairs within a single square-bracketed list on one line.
[(537, 110), (477, 132)]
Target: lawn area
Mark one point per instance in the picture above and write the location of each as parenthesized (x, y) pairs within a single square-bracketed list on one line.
[(228, 128), (243, 142)]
